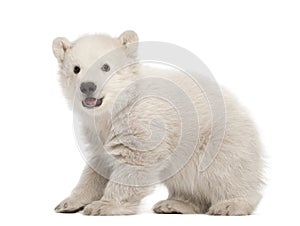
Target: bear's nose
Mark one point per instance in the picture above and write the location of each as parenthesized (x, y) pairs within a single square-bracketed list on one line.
[(88, 88)]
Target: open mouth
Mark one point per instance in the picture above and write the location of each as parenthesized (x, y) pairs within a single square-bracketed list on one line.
[(91, 102)]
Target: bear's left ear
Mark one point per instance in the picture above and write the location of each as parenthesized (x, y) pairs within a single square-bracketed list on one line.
[(60, 46), (128, 37)]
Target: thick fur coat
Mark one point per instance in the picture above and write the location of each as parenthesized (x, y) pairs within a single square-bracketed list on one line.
[(128, 163)]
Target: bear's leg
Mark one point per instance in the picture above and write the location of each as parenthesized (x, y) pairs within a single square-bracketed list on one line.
[(235, 206), (89, 188), (174, 206), (120, 198)]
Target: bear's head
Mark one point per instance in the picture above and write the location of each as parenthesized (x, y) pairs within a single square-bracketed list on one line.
[(80, 73)]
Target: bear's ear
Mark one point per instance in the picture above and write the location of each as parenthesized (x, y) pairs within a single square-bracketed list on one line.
[(128, 37), (60, 46)]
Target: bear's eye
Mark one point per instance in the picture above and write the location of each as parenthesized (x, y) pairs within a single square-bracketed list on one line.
[(105, 67), (76, 69)]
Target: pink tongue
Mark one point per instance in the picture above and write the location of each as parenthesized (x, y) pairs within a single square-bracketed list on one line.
[(90, 101)]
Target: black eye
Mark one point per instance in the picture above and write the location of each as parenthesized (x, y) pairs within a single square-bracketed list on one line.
[(105, 67), (76, 69)]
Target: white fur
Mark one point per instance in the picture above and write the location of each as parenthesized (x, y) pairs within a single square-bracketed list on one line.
[(229, 186)]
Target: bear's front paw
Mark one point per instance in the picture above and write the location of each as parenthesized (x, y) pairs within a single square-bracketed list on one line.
[(107, 208), (69, 205)]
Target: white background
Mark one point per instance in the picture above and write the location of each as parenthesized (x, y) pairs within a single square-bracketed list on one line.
[(252, 47)]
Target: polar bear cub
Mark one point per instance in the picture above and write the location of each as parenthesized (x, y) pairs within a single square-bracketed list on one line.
[(118, 127)]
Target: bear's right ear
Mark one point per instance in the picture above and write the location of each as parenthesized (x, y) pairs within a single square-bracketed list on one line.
[(128, 37), (60, 46)]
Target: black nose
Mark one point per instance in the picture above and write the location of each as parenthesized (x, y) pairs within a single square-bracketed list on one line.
[(88, 88)]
